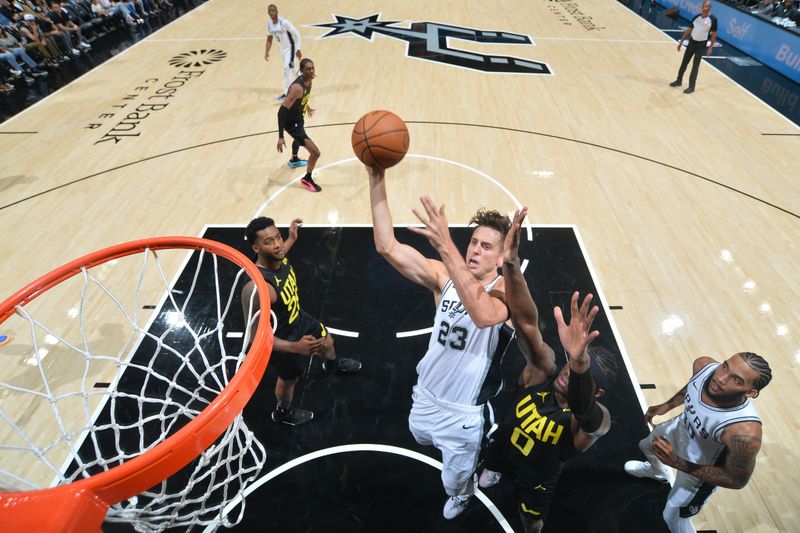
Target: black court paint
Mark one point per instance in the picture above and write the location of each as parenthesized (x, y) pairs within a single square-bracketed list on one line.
[(344, 282)]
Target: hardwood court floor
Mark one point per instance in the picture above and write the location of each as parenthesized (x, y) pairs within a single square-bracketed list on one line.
[(688, 205)]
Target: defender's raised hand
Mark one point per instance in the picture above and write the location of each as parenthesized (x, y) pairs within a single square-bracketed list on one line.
[(576, 336), (511, 244)]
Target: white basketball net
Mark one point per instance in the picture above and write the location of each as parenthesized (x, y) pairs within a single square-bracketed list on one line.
[(159, 369)]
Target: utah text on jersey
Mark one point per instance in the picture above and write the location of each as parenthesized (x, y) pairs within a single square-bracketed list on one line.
[(533, 427), (289, 295)]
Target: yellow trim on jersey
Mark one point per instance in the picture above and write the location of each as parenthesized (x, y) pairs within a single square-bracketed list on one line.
[(529, 511)]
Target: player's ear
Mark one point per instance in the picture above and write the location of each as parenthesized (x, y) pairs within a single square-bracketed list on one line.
[(752, 393), (254, 248)]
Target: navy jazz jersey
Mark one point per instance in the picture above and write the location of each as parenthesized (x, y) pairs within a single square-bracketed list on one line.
[(538, 435), (287, 305), (298, 109)]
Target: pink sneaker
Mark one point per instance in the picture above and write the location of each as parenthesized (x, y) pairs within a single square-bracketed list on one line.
[(309, 184)]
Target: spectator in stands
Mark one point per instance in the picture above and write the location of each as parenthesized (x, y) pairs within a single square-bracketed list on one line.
[(67, 27), (5, 87), (122, 9), (7, 11), (25, 6), (30, 39), (765, 8), (11, 50), (787, 10), (33, 34), (55, 35), (80, 13)]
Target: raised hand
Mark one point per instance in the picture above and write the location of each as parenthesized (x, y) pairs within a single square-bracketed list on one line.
[(293, 228), (511, 244), (436, 229), (576, 336), (376, 173)]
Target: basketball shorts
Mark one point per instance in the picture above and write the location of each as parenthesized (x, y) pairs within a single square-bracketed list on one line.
[(534, 489), (298, 132), (289, 365), (688, 493), (455, 430)]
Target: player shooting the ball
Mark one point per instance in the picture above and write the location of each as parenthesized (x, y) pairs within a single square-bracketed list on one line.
[(460, 370)]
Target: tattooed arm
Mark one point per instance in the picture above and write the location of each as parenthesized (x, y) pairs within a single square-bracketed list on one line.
[(743, 441)]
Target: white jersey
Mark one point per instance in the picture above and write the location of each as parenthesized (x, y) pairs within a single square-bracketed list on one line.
[(285, 33), (460, 355), (705, 423)]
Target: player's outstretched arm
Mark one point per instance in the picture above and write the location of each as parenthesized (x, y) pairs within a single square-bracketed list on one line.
[(485, 309), (590, 418), (524, 313), (405, 259), (576, 335)]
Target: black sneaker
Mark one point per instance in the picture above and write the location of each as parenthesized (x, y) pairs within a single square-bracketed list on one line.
[(292, 417), (675, 83), (342, 365), (309, 184), (689, 90)]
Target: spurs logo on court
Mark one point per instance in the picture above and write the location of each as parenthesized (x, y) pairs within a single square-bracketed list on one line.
[(197, 58), (429, 40)]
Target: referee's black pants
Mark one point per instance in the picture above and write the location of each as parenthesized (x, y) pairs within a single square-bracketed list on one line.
[(693, 49)]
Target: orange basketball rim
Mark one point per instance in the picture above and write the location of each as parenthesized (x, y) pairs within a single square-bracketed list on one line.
[(81, 506)]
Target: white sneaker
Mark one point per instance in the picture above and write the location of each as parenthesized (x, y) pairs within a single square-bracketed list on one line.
[(76, 52), (645, 469), (455, 505), (489, 479), (85, 46)]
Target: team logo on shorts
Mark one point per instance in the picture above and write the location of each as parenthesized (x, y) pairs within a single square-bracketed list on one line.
[(197, 58), (429, 41)]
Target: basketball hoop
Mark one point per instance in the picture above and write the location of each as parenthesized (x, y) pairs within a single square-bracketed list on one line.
[(191, 393)]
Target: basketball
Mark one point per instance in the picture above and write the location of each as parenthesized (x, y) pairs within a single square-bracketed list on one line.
[(380, 139)]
